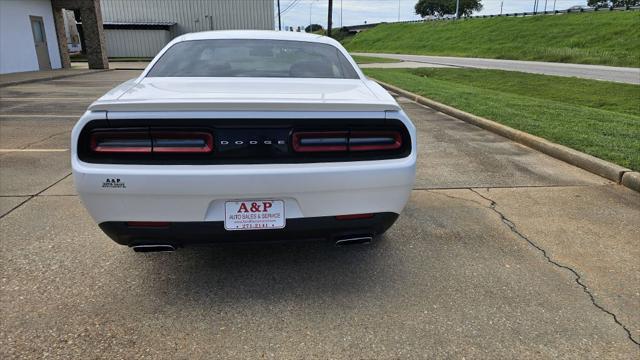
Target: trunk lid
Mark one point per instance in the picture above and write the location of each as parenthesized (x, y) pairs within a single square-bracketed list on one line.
[(251, 94)]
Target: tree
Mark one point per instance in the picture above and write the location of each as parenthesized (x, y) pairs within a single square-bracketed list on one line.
[(313, 28), (444, 7), (614, 3)]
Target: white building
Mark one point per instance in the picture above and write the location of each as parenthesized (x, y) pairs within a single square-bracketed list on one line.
[(141, 28), (33, 35), (28, 40)]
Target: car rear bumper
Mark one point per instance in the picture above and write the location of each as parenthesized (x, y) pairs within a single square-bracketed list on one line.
[(179, 234), (198, 193)]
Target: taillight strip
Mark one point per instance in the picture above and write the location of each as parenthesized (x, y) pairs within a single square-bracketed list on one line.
[(374, 140), (121, 142), (332, 141), (181, 142), (151, 142), (320, 141)]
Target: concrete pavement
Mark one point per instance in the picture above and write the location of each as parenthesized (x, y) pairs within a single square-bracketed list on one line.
[(596, 72), (502, 252), (36, 76), (115, 65), (402, 65)]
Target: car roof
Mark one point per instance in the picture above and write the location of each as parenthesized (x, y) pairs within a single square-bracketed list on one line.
[(256, 34)]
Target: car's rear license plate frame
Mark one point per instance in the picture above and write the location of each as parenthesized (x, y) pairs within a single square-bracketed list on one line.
[(243, 215)]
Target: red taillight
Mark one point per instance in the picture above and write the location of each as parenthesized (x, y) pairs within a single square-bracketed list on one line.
[(182, 142), (151, 142), (121, 142), (320, 141), (332, 141), (374, 140), (354, 216), (148, 224)]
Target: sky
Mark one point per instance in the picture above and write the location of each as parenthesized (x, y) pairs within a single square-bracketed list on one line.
[(355, 12)]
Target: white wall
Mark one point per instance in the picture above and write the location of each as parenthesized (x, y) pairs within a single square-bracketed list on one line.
[(17, 50), (141, 43), (195, 15)]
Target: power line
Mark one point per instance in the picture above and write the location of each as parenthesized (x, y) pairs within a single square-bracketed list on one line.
[(286, 8), (291, 5)]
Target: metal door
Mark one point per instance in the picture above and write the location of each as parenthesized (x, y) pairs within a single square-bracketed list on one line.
[(40, 41)]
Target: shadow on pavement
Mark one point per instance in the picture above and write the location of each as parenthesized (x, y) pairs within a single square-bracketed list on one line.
[(271, 273)]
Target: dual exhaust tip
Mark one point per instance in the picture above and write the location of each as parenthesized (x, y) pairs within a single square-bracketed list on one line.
[(153, 248), (354, 240), (351, 240)]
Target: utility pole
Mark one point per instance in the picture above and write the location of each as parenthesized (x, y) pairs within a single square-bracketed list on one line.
[(501, 3), (341, 25), (310, 8), (457, 9), (279, 20), (330, 18), (398, 10)]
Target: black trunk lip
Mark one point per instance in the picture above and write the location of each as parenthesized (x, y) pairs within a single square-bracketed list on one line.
[(180, 234)]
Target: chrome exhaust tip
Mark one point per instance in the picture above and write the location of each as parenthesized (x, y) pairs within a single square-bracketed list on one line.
[(354, 240), (153, 248)]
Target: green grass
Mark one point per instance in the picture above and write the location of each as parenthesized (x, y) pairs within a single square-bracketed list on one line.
[(371, 59), (607, 38), (595, 117)]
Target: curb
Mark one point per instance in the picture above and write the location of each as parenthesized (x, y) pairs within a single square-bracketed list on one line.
[(611, 171), (631, 180), (53, 77)]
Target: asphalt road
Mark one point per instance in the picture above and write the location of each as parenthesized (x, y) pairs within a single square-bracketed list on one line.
[(502, 252), (596, 72)]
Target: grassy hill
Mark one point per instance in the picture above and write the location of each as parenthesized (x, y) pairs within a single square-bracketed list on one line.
[(597, 117), (607, 38)]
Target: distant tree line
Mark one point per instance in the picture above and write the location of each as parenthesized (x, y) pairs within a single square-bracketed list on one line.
[(440, 8), (313, 28), (614, 3)]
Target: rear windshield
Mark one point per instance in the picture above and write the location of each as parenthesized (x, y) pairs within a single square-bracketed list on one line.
[(253, 58)]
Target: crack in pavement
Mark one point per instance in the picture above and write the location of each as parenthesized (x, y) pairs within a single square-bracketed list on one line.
[(578, 279), (38, 141), (442, 193), (33, 196), (45, 139)]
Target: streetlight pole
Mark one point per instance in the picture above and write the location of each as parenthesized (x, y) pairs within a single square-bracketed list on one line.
[(310, 8), (398, 10), (457, 9), (329, 18), (279, 20)]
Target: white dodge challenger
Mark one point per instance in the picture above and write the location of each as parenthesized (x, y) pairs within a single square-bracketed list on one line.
[(245, 136)]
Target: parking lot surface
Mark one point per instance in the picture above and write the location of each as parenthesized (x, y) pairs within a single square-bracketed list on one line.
[(502, 252)]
